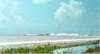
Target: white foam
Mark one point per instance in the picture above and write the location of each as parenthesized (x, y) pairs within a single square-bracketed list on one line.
[(46, 41)]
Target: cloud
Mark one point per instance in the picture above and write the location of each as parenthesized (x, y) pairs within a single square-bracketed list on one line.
[(15, 5), (2, 6), (20, 20), (3, 18), (12, 18), (12, 5), (74, 10), (40, 1)]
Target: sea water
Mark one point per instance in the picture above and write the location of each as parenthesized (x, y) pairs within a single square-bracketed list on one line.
[(40, 38), (74, 50)]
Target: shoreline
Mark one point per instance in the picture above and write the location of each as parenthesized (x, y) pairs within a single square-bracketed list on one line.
[(52, 46), (44, 46), (47, 41)]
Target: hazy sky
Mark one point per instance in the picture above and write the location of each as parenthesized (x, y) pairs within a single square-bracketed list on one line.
[(49, 16)]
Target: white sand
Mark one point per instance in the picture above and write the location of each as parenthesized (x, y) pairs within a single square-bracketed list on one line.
[(46, 41)]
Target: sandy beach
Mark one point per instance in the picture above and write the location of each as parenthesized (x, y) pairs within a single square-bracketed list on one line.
[(44, 39)]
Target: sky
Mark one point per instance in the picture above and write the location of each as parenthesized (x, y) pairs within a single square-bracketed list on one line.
[(49, 16)]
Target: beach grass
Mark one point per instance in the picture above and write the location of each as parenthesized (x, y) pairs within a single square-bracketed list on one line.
[(47, 49)]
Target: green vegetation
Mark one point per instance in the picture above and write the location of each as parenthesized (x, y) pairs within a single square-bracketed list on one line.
[(47, 49)]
